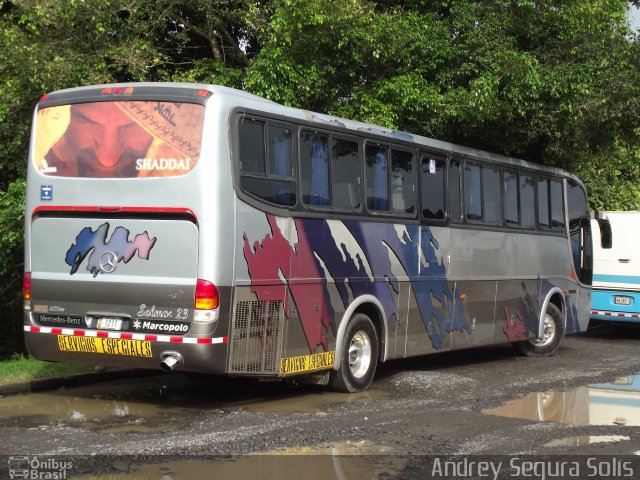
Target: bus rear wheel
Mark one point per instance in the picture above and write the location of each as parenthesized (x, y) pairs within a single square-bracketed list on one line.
[(552, 333), (359, 357)]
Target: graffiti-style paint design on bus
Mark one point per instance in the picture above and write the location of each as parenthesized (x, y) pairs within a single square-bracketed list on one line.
[(105, 255), (356, 258), (518, 324)]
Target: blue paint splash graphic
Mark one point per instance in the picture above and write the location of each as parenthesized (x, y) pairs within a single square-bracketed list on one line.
[(95, 242)]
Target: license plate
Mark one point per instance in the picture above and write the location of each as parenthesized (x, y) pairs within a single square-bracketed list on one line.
[(111, 346), (622, 300), (106, 323)]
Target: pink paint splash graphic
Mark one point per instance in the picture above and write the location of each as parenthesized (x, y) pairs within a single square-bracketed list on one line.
[(272, 266), (514, 329)]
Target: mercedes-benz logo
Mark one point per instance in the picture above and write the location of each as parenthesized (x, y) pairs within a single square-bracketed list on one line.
[(108, 262)]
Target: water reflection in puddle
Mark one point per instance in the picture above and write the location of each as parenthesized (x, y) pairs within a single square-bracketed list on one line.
[(338, 466), (362, 447), (582, 440), (160, 404), (616, 403)]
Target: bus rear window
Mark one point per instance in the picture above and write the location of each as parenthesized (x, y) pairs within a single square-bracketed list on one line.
[(121, 139)]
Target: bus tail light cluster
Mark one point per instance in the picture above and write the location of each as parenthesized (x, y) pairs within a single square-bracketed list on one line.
[(207, 301), (26, 290), (26, 286)]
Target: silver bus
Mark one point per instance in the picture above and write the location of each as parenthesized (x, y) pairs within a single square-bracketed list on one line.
[(204, 229)]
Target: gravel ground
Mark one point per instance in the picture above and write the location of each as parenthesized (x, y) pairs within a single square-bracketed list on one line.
[(415, 409)]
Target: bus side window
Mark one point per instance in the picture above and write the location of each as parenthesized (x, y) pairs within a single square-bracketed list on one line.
[(432, 189), (314, 168), (472, 192), (580, 232), (402, 182), (281, 165), (345, 174), (543, 204), (453, 183), (251, 141), (511, 215), (266, 162), (557, 205), (527, 201), (377, 177), (491, 195)]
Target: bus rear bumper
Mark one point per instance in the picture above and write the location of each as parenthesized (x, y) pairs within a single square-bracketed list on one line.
[(121, 349), (608, 316), (615, 306)]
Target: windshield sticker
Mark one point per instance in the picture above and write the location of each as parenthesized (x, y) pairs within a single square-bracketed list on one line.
[(105, 256), (118, 139), (46, 193)]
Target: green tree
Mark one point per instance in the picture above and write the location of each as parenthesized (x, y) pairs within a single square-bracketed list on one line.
[(547, 81), (49, 45), (11, 263), (552, 82)]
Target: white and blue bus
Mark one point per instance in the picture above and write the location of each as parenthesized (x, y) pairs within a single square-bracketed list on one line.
[(616, 271), (200, 228)]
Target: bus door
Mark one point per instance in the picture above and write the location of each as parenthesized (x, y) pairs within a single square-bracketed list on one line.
[(582, 257), (583, 251)]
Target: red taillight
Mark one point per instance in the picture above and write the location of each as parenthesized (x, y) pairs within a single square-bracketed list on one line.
[(117, 91), (207, 296), (26, 286)]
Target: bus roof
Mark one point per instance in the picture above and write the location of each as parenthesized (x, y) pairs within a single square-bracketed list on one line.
[(146, 90)]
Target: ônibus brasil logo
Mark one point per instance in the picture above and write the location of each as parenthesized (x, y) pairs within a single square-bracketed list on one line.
[(38, 468)]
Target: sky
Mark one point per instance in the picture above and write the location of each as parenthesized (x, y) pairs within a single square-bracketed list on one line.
[(634, 16)]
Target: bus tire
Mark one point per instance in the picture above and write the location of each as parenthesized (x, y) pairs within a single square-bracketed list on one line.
[(553, 331), (359, 356)]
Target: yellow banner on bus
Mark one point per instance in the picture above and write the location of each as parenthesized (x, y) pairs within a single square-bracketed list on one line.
[(111, 346), (307, 363)]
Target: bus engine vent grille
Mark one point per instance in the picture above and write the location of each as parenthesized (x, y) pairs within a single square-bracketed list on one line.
[(256, 337)]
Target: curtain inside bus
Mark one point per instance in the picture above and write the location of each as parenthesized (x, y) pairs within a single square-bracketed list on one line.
[(319, 192)]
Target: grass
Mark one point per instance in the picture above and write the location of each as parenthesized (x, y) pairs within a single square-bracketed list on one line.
[(22, 367)]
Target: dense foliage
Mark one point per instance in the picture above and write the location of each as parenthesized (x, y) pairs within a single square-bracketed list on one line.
[(548, 81)]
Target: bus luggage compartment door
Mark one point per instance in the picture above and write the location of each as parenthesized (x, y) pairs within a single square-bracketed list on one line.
[(114, 273)]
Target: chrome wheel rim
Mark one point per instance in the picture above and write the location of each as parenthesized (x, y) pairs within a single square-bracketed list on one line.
[(359, 354), (549, 332)]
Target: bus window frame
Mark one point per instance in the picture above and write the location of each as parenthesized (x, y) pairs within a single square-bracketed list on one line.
[(363, 213), (266, 123), (461, 219), (500, 222), (331, 135), (465, 216), (516, 175), (421, 156), (547, 180), (390, 213), (300, 209)]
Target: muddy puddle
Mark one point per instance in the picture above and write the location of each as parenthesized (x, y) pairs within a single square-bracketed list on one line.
[(320, 467), (339, 461), (583, 440), (615, 403), (165, 403)]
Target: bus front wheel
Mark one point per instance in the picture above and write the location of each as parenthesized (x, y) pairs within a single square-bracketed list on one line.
[(552, 333), (359, 357)]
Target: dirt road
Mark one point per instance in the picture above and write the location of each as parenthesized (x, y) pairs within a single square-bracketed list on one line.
[(478, 402)]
